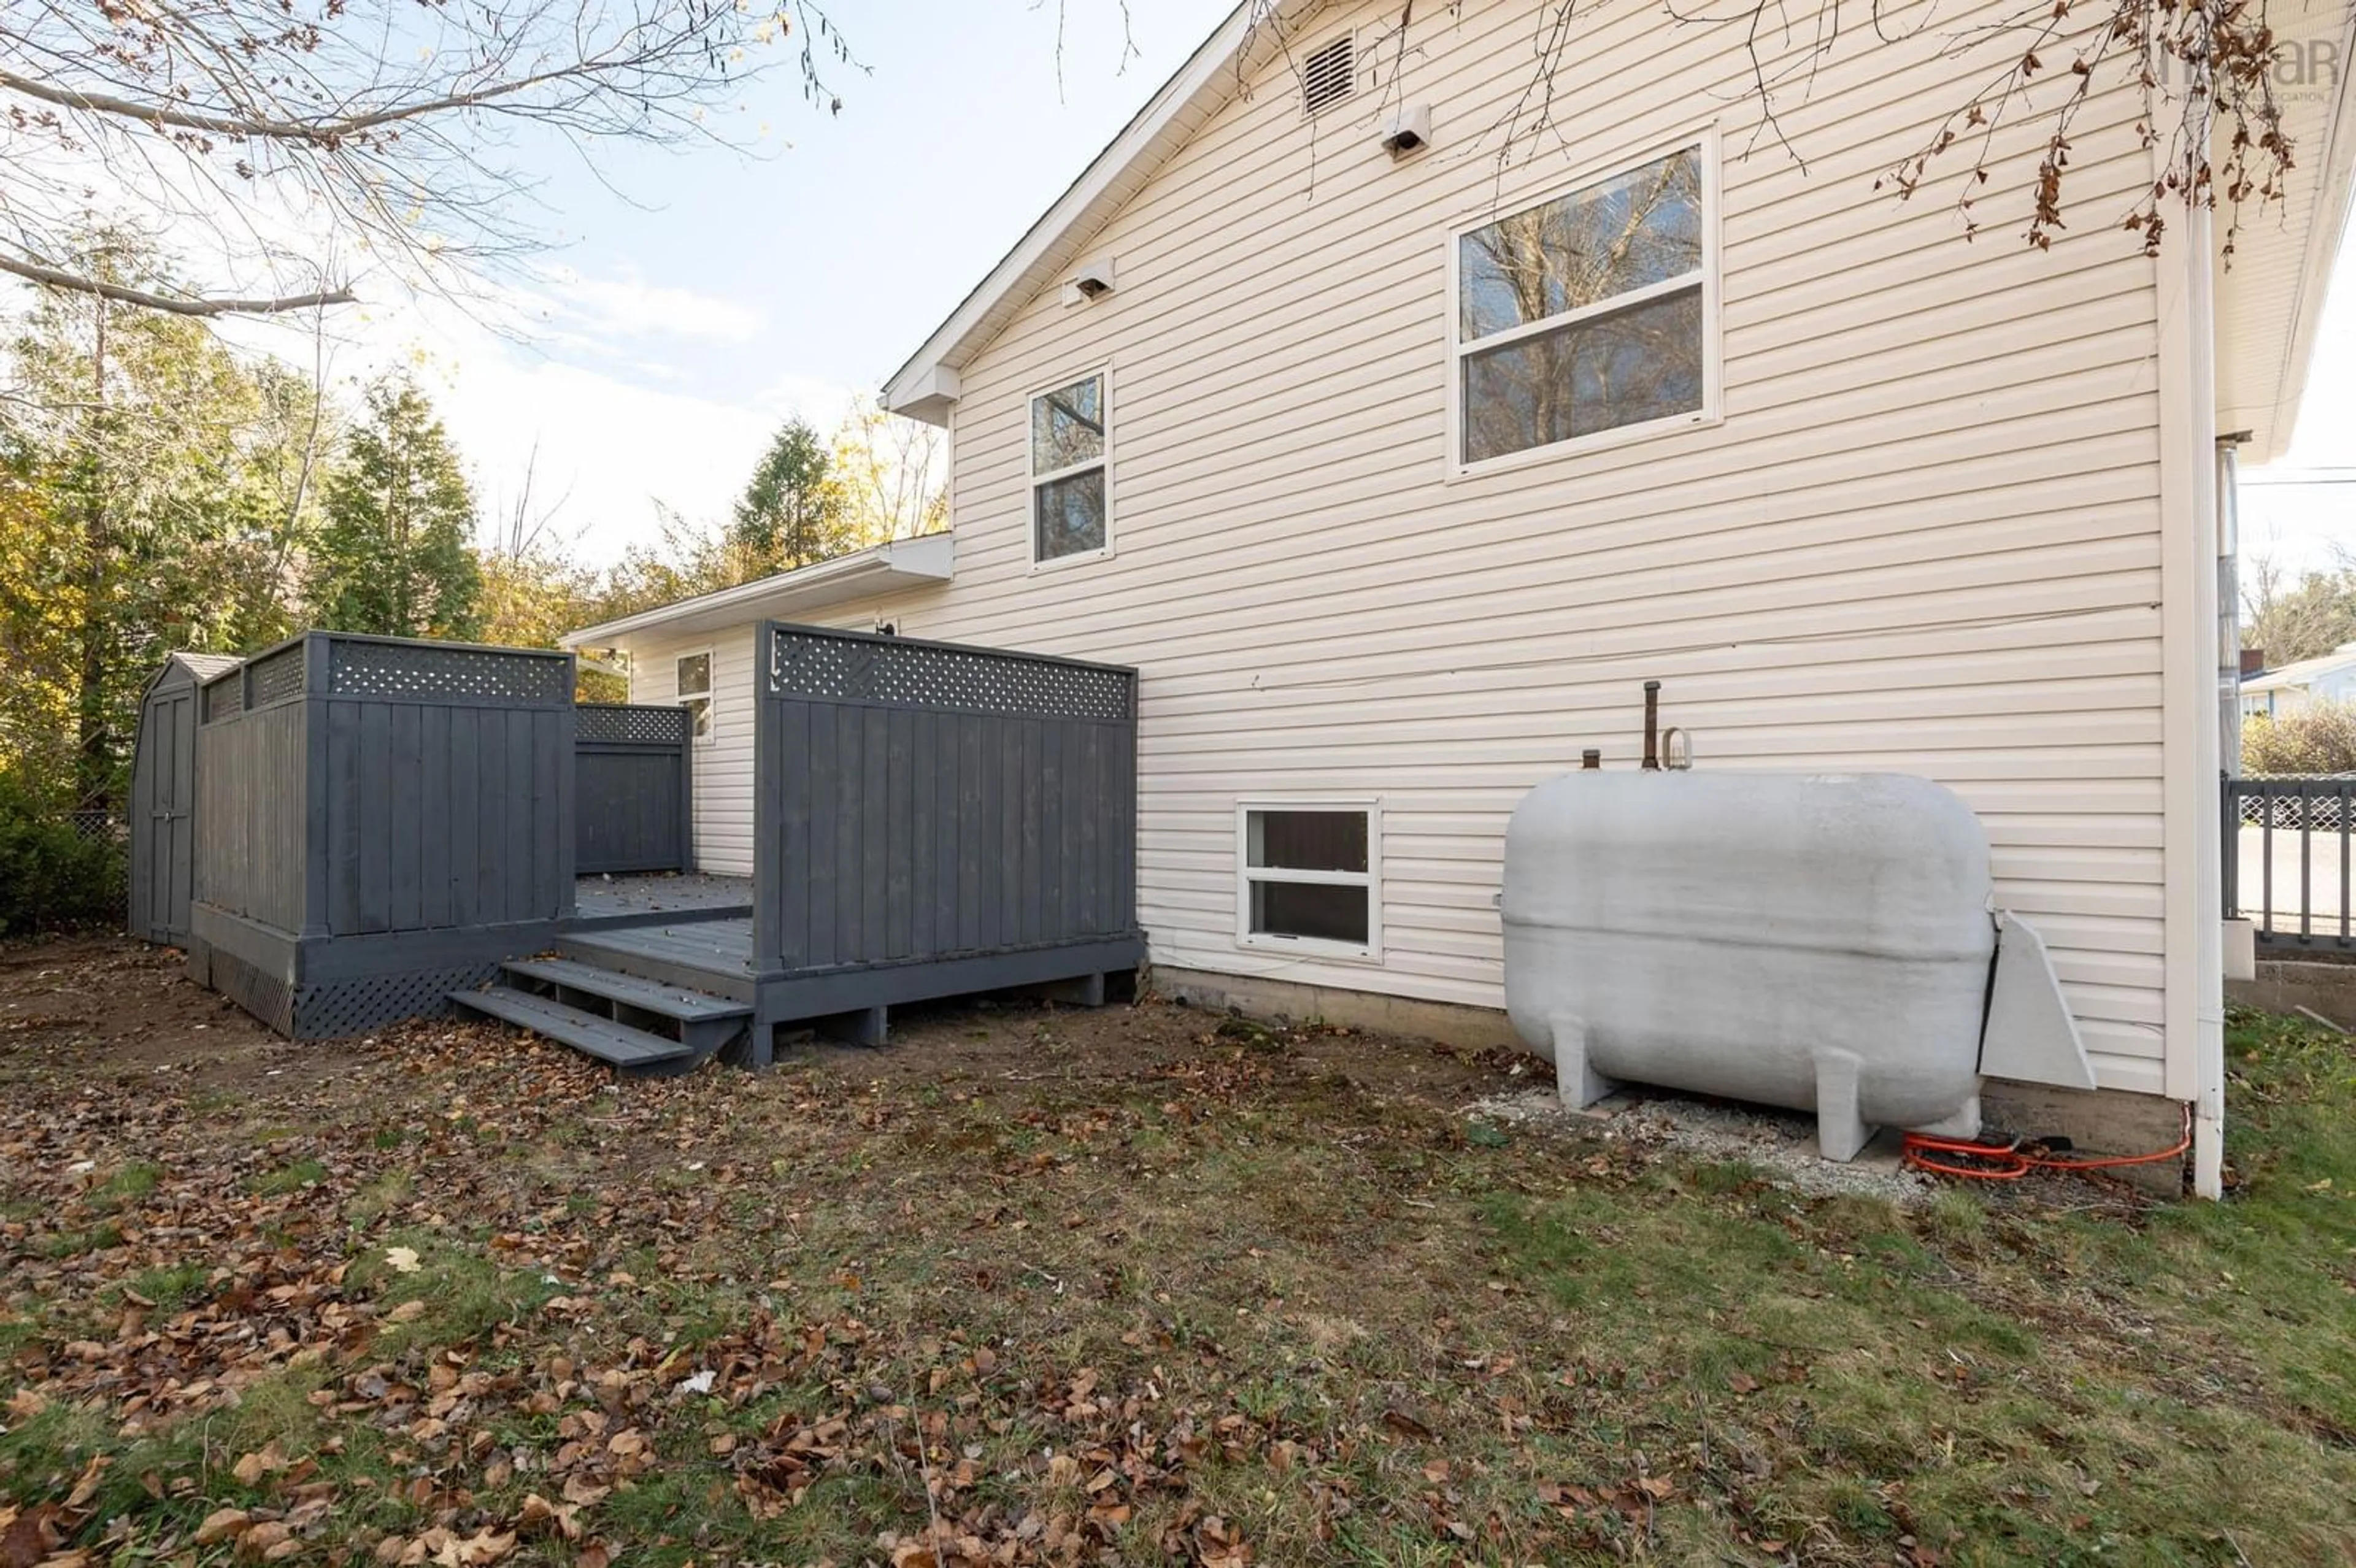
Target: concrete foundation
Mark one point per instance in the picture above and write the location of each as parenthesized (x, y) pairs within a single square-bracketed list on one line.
[(2282, 986), (2102, 1122), (1288, 1001)]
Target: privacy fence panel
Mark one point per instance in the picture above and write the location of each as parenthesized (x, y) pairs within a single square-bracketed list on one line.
[(448, 785), (632, 789), (922, 801), (379, 817), (249, 820)]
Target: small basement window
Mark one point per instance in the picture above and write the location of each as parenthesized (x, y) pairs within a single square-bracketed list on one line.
[(694, 692), (1308, 878), (1071, 497)]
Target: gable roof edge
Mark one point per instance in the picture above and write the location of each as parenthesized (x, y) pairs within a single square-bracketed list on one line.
[(2328, 229), (1196, 91)]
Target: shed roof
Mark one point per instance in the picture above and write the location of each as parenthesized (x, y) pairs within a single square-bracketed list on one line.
[(199, 668)]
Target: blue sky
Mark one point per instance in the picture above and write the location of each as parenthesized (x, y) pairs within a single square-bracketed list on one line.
[(700, 299), (705, 297)]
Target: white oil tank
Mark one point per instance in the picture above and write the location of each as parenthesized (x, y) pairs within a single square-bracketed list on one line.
[(1826, 944)]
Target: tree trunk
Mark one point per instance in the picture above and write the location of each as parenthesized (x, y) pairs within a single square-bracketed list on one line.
[(93, 768)]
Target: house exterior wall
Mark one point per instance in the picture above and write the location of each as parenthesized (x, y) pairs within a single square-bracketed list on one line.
[(722, 796), (1926, 536)]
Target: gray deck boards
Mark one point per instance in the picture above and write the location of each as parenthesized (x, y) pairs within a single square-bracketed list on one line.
[(660, 901), (645, 995), (601, 1038), (721, 947)]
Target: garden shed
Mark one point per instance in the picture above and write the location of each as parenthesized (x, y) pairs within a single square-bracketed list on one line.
[(163, 796)]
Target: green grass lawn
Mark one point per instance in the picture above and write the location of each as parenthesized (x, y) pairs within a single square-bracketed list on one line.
[(1117, 1287)]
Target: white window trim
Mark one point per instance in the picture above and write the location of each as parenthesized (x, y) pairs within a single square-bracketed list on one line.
[(711, 693), (1712, 410), (1034, 478), (1371, 879)]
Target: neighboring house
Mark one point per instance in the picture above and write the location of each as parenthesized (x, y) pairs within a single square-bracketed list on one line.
[(2277, 693), (1394, 520)]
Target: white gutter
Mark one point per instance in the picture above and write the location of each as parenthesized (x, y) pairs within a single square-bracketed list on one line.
[(928, 560)]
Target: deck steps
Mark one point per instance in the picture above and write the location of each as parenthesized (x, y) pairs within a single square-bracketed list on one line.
[(676, 1002), (632, 1049), (643, 1026)]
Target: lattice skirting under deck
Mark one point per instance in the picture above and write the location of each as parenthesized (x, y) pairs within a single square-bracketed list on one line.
[(352, 1007)]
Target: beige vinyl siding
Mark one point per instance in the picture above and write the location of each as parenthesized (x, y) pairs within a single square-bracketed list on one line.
[(1924, 537), (723, 765)]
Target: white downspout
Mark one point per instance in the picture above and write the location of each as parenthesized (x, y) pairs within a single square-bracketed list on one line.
[(2207, 761), (2193, 945)]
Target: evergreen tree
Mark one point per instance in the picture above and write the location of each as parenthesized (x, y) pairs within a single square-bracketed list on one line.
[(395, 555), (793, 512)]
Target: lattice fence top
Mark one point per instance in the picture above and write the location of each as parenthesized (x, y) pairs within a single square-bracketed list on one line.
[(2322, 812), (432, 672), (926, 674), (224, 697), (635, 724), (278, 676)]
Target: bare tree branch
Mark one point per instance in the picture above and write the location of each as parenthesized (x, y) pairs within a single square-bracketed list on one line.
[(177, 304), (403, 136)]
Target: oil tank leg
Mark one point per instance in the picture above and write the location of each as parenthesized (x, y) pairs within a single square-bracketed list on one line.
[(1964, 1124), (1840, 1130), (1577, 1084)]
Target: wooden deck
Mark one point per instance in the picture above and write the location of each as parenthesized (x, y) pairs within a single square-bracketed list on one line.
[(603, 902), (710, 955)]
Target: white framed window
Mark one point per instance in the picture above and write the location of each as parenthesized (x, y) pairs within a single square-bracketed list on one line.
[(1309, 877), (694, 693), (1071, 470), (1590, 317)]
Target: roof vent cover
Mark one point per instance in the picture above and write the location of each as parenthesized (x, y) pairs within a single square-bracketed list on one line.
[(1330, 74)]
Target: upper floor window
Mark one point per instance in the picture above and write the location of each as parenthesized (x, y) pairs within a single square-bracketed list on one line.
[(1588, 313), (1071, 495)]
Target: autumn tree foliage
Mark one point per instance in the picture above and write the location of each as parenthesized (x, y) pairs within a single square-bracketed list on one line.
[(154, 487), (2317, 738)]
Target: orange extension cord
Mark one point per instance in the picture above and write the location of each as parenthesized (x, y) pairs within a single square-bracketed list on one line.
[(2010, 1162)]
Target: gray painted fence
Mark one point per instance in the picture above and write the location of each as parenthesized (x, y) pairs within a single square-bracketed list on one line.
[(632, 793), (249, 838), (379, 815), (926, 802)]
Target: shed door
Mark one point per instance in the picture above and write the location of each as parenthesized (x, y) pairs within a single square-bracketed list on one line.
[(168, 881)]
